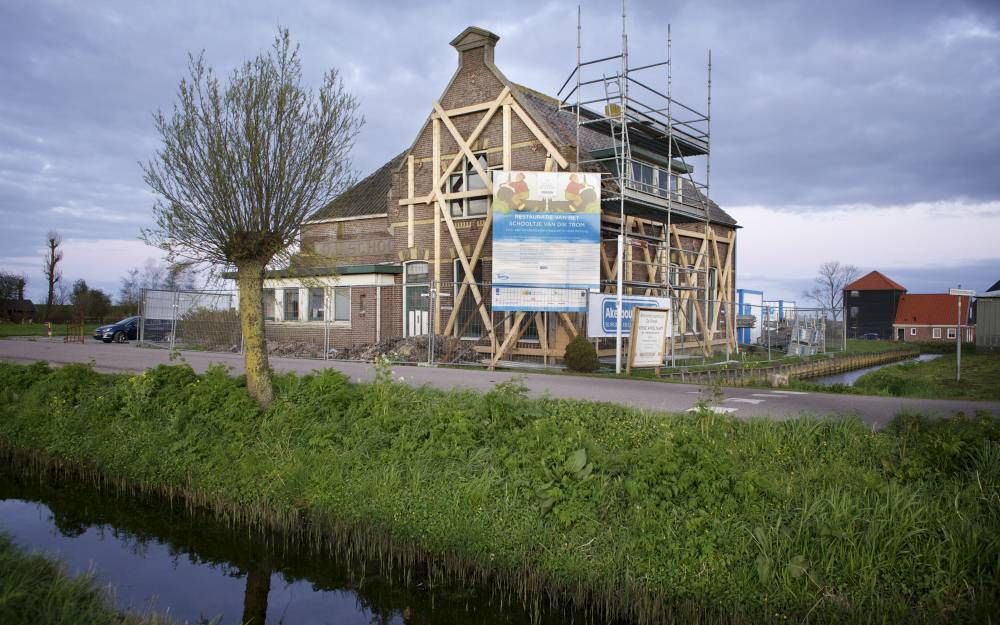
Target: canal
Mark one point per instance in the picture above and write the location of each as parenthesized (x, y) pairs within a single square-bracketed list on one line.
[(160, 557), (848, 378)]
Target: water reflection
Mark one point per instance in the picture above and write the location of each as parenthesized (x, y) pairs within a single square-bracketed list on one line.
[(156, 556), (850, 377)]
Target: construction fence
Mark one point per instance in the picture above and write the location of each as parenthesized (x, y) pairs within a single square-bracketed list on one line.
[(421, 323)]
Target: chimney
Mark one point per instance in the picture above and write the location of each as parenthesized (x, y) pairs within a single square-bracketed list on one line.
[(472, 39)]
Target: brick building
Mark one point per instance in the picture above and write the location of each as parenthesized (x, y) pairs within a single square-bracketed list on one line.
[(423, 219), (931, 317)]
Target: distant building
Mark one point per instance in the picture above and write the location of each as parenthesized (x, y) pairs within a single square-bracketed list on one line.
[(933, 317), (749, 303), (988, 318), (17, 310), (871, 302)]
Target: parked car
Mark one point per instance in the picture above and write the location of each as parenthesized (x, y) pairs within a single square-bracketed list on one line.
[(125, 330), (128, 330), (870, 336)]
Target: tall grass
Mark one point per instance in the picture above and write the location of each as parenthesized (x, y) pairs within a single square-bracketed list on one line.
[(623, 513)]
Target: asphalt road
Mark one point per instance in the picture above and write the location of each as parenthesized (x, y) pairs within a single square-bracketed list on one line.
[(740, 402)]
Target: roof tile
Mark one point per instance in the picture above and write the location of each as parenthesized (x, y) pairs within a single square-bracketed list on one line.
[(875, 281)]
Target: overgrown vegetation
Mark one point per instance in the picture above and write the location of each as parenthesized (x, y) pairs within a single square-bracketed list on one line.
[(35, 590), (655, 517), (931, 379)]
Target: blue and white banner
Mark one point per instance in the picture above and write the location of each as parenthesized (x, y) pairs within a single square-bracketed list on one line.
[(601, 315), (546, 240)]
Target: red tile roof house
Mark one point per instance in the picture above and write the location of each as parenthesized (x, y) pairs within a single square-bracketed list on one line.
[(932, 317)]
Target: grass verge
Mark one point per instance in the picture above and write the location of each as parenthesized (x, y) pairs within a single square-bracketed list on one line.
[(931, 379), (34, 589), (630, 514), (38, 329)]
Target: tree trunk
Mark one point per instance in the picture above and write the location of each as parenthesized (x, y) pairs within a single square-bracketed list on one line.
[(250, 278), (255, 594)]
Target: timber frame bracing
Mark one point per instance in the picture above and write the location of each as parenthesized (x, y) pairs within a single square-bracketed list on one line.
[(501, 343)]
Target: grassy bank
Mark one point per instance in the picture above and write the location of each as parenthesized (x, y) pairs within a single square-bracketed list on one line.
[(641, 515), (35, 590), (38, 329), (932, 379)]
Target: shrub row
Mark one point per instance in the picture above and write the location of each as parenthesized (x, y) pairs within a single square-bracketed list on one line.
[(626, 513)]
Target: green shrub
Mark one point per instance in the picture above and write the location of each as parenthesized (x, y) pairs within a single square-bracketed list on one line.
[(581, 355)]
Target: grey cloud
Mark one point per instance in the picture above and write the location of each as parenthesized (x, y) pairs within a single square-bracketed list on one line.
[(814, 103)]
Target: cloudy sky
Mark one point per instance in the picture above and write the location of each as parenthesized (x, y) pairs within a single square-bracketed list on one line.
[(864, 132)]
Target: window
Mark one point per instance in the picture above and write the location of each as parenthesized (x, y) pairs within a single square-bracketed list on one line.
[(652, 179), (416, 303), (342, 303), (642, 175), (712, 295), (468, 321), (468, 179), (291, 305), (952, 333), (317, 302), (936, 333), (267, 304), (416, 272), (854, 312), (855, 294), (913, 331)]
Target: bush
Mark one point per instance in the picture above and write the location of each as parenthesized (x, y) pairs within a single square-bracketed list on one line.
[(581, 355)]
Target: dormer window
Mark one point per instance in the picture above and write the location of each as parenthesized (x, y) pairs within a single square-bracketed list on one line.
[(653, 179), (468, 179)]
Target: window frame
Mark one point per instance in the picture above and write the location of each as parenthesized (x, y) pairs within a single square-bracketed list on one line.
[(468, 172), (952, 333), (936, 333), (309, 309), (274, 304), (334, 292), (913, 331), (285, 301), (458, 277)]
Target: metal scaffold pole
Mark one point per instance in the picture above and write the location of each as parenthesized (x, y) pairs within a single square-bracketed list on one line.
[(623, 80)]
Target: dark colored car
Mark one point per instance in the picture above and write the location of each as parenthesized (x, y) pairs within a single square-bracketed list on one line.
[(871, 336), (125, 330)]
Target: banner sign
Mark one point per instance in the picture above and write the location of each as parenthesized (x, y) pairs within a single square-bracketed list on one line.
[(546, 240), (647, 345), (602, 309)]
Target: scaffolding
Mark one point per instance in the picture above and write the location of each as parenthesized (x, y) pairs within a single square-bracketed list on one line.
[(619, 114)]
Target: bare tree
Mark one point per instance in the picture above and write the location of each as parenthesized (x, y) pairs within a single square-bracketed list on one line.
[(241, 167), (52, 274), (151, 276), (830, 281)]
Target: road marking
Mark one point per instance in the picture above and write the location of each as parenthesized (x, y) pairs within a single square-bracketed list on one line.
[(715, 409), (693, 392), (744, 400), (769, 395), (792, 392)]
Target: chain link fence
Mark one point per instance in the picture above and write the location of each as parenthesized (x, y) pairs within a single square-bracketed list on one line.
[(478, 324)]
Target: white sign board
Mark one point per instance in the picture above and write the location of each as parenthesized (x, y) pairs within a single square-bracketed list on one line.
[(962, 292), (602, 313), (647, 343), (546, 239)]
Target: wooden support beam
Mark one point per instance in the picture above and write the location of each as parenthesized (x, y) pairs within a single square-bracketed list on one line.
[(507, 143), (464, 110), (409, 194), (464, 146), (436, 165), (553, 152), (442, 207), (508, 340)]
